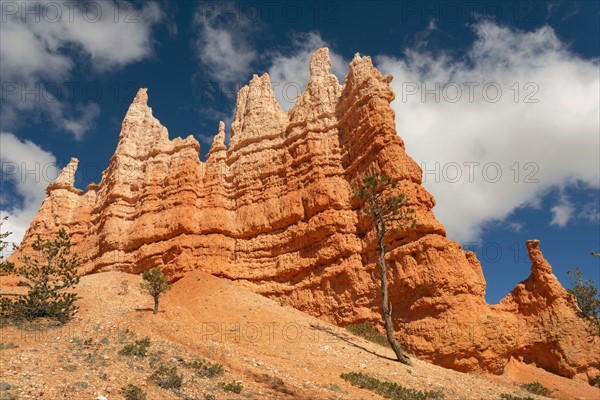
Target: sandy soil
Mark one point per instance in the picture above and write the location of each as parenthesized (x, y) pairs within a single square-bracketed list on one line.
[(275, 351)]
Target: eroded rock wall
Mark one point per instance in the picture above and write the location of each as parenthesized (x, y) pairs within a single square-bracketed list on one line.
[(276, 210)]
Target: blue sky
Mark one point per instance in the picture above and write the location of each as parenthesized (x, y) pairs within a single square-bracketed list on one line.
[(498, 101)]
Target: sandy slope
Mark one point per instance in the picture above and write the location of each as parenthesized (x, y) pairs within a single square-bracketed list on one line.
[(276, 351)]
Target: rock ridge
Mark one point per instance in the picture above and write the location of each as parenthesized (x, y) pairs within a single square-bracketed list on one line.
[(275, 209)]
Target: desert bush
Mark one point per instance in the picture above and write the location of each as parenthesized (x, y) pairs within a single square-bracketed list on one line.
[(368, 332), (232, 387), (132, 392), (389, 390), (206, 369), (166, 377), (139, 348), (537, 388), (9, 345), (124, 288), (506, 396)]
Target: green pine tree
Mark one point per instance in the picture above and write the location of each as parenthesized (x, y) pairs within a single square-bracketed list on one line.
[(49, 272), (155, 283)]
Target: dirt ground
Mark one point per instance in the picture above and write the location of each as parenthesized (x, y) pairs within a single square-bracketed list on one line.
[(271, 349)]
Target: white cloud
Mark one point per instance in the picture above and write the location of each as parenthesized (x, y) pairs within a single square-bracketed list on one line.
[(289, 71), (543, 137), (223, 45), (41, 42), (590, 211), (29, 169), (562, 213)]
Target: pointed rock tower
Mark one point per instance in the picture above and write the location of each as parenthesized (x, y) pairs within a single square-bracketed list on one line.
[(276, 210)]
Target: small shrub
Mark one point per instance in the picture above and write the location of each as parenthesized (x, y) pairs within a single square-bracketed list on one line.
[(389, 390), (367, 331), (506, 396), (206, 369), (232, 387), (132, 392), (537, 388), (139, 348), (9, 345), (210, 396), (166, 377), (124, 288), (71, 367), (82, 384), (597, 381)]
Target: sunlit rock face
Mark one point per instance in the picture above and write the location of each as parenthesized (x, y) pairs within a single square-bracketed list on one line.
[(276, 210)]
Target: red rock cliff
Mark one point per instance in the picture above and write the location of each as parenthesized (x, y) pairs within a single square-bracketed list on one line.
[(276, 210)]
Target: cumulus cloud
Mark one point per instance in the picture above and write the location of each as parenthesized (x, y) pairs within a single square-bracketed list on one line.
[(223, 46), (28, 169), (289, 70), (497, 129), (563, 211), (42, 42), (225, 50)]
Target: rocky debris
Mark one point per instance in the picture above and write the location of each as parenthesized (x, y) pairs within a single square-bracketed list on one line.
[(276, 210)]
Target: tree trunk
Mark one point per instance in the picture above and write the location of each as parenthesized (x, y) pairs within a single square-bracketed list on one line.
[(156, 305), (386, 308)]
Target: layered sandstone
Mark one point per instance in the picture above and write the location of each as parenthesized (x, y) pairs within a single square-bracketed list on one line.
[(275, 209)]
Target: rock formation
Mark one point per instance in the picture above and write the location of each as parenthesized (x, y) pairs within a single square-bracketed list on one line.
[(275, 209)]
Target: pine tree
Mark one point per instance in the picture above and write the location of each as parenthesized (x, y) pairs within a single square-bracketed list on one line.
[(49, 272), (587, 297), (387, 212), (155, 283)]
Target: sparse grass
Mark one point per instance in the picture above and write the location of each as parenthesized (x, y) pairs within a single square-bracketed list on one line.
[(537, 388), (232, 387), (71, 367), (206, 369), (367, 331), (166, 377), (389, 390), (132, 392), (506, 396), (139, 348)]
